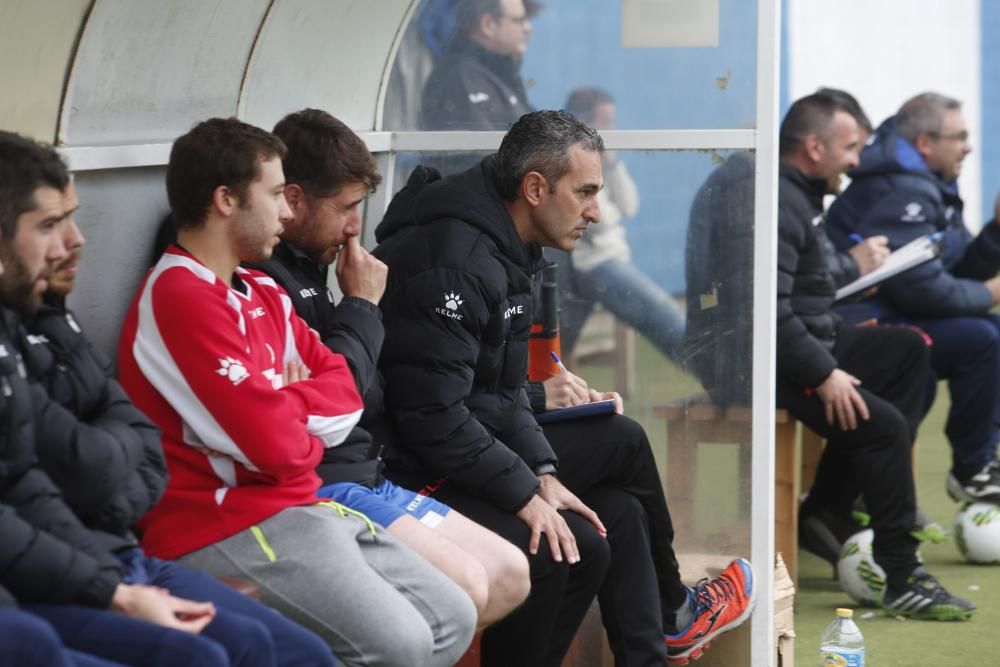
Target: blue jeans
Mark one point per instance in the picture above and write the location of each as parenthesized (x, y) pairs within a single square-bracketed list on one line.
[(28, 641), (966, 353), (243, 632), (630, 296)]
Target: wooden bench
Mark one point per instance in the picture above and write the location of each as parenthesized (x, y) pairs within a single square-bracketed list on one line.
[(695, 421)]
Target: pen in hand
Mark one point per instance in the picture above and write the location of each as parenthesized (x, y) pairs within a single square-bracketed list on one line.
[(559, 363), (857, 238)]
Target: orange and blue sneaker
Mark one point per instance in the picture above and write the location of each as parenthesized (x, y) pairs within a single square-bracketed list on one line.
[(718, 605)]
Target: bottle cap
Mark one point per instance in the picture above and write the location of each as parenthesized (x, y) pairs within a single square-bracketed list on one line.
[(845, 613)]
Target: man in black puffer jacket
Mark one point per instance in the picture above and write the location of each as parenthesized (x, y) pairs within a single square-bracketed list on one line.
[(104, 455), (463, 254), (861, 388)]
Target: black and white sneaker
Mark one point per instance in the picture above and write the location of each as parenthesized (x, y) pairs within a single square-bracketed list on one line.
[(923, 597), (983, 486)]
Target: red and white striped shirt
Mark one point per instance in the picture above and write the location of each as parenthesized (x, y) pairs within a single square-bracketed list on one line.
[(204, 361)]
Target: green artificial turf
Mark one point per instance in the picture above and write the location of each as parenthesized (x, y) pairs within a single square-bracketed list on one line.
[(718, 517), (890, 642)]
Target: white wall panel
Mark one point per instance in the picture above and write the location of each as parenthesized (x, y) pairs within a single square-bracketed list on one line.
[(885, 52), (147, 71), (329, 54)]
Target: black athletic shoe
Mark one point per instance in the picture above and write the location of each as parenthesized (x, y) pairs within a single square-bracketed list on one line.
[(923, 597), (824, 534), (983, 486)]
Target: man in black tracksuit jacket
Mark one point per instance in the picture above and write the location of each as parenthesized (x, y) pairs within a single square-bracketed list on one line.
[(861, 388), (476, 82), (463, 259)]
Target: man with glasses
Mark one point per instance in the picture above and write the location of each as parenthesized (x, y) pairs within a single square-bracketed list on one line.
[(476, 83), (906, 187)]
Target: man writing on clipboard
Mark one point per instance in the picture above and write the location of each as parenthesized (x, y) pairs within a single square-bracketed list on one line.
[(862, 388), (462, 253)]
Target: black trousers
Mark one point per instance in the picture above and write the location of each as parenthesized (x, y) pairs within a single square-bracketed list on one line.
[(607, 462), (875, 459)]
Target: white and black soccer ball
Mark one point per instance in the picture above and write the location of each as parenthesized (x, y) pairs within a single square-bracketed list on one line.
[(858, 573), (977, 532)]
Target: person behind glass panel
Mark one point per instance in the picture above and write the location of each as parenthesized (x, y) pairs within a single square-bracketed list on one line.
[(600, 270)]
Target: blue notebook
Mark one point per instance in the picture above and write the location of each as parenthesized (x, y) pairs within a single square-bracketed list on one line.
[(577, 411)]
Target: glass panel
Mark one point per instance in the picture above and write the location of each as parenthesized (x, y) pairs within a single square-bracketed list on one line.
[(662, 255), (534, 57)]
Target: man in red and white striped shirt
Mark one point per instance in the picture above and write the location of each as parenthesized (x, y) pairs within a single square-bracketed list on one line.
[(248, 398)]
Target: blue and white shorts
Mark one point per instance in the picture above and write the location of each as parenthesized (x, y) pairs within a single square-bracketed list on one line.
[(386, 502)]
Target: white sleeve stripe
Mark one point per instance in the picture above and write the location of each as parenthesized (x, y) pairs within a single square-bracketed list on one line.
[(234, 303), (156, 363), (333, 430)]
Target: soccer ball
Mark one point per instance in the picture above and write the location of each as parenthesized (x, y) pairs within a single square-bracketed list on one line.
[(977, 532), (858, 573)]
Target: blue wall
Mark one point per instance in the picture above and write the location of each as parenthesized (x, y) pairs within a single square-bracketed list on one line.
[(578, 42)]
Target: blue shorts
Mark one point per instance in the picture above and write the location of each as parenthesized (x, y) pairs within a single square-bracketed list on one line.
[(386, 502)]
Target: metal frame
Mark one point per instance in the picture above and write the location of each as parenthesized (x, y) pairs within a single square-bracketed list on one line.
[(90, 158), (762, 639)]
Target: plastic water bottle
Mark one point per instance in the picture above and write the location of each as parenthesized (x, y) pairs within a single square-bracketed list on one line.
[(842, 644)]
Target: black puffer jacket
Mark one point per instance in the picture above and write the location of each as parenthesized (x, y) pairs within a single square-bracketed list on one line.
[(46, 554), (354, 329), (458, 316), (806, 324), (718, 263), (99, 449)]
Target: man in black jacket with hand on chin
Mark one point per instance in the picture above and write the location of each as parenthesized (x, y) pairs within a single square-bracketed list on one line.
[(862, 388), (463, 254)]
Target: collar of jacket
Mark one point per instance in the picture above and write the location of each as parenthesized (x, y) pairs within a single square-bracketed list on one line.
[(293, 254), (505, 66), (813, 187), (888, 153)]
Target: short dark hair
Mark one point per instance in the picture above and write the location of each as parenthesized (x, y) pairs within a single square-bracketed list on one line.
[(540, 141), (851, 104), (25, 166), (812, 114), (582, 102), (216, 152), (324, 154), (924, 113)]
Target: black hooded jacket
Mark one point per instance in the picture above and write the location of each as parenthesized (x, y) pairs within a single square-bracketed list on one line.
[(457, 312), (806, 325), (46, 554), (99, 449)]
